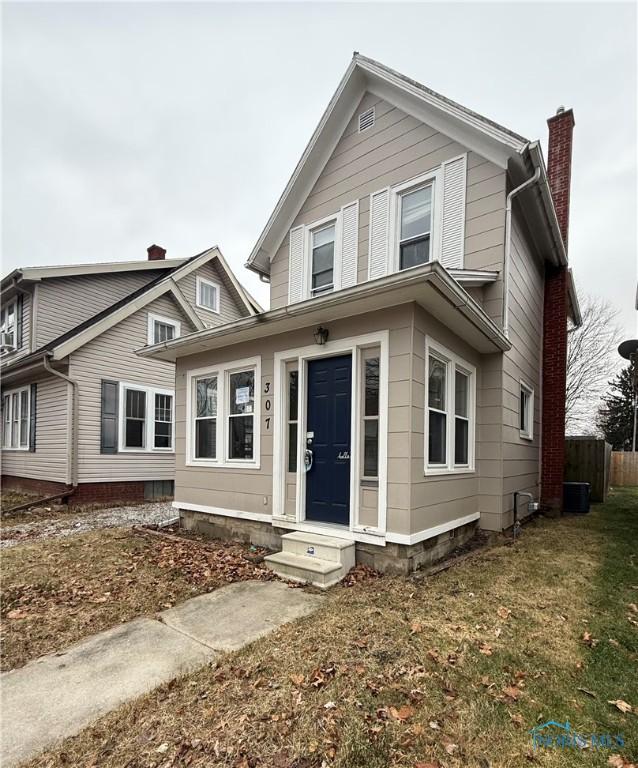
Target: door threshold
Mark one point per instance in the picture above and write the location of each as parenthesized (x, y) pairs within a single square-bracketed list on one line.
[(330, 529)]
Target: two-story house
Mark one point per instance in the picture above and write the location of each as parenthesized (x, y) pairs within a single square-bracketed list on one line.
[(80, 410), (409, 376)]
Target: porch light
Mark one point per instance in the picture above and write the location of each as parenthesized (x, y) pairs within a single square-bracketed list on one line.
[(321, 336)]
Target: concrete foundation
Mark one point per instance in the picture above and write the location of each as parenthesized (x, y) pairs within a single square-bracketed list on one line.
[(392, 558)]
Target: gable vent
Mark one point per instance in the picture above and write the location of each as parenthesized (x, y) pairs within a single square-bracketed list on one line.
[(366, 119)]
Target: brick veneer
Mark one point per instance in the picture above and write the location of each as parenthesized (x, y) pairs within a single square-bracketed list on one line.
[(86, 493), (561, 128)]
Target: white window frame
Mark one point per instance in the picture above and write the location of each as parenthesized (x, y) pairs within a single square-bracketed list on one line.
[(526, 434), (13, 306), (452, 362), (149, 426), (9, 393), (153, 318), (336, 267), (213, 284), (223, 372), (435, 178)]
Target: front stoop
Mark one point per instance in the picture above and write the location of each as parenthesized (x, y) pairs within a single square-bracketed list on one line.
[(313, 558)]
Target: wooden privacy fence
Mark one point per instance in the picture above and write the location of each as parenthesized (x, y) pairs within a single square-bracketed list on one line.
[(624, 468), (587, 460)]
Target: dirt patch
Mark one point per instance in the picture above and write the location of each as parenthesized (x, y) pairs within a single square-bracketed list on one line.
[(57, 591)]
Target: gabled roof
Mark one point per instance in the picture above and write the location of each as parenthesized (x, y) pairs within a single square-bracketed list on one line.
[(89, 329), (496, 143)]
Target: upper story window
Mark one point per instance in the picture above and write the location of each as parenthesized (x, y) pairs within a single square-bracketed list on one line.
[(526, 412), (208, 293), (162, 329), (449, 411), (8, 325), (322, 258), (416, 226)]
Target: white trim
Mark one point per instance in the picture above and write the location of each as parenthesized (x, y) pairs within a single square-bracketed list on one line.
[(212, 284), (149, 420), (222, 373), (367, 535), (452, 362), (9, 393), (309, 230), (428, 533), (153, 318), (301, 356), (262, 517), (524, 387)]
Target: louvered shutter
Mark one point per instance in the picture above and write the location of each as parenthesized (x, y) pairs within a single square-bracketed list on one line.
[(453, 212), (296, 266), (379, 226), (108, 432), (33, 411), (349, 243)]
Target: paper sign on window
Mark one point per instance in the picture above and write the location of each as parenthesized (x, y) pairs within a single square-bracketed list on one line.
[(242, 395)]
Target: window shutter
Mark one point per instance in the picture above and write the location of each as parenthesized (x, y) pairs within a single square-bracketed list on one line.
[(379, 226), (349, 243), (453, 217), (33, 410), (108, 432), (19, 305), (296, 266)]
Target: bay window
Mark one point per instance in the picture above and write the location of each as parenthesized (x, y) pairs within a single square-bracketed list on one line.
[(449, 411)]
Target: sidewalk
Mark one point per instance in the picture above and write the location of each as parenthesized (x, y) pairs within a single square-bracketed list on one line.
[(56, 696)]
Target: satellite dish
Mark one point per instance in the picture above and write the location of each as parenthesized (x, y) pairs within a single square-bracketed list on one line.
[(628, 348)]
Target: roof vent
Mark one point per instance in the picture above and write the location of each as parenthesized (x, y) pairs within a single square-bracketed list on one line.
[(366, 119)]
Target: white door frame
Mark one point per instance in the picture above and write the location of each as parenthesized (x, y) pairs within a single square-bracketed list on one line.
[(302, 355)]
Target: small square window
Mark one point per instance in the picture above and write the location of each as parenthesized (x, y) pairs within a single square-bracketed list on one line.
[(208, 295), (162, 329)]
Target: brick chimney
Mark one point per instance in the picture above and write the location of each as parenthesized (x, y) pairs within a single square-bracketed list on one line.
[(156, 253), (559, 170)]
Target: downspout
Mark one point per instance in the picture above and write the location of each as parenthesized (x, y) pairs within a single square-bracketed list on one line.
[(72, 453), (508, 246)]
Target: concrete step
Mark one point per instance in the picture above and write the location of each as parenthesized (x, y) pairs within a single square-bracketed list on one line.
[(304, 569), (322, 547)]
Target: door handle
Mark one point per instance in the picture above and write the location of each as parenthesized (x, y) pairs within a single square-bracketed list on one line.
[(308, 459), (344, 455)]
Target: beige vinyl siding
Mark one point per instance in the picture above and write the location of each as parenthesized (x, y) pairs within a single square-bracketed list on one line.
[(112, 356), (49, 461), (396, 149), (64, 302), (436, 499), (27, 312), (521, 457), (230, 306)]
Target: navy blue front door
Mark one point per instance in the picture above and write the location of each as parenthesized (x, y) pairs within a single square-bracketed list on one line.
[(328, 426)]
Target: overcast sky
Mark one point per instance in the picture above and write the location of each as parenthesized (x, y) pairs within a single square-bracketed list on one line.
[(179, 124)]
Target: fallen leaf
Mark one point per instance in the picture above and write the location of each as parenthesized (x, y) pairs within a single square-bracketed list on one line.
[(17, 613), (451, 748), (162, 748), (485, 649), (434, 725), (427, 765), (517, 719), (330, 705), (298, 679), (415, 628), (633, 607), (504, 612), (403, 713), (621, 705), (512, 692), (586, 692)]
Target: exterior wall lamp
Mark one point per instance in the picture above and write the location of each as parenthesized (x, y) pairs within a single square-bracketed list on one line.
[(321, 336)]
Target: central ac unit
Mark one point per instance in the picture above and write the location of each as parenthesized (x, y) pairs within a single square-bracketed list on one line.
[(6, 342)]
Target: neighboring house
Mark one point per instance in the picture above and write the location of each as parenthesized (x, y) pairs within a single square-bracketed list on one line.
[(79, 407), (409, 376)]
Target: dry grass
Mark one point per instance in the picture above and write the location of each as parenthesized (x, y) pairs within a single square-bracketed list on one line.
[(57, 591), (452, 670)]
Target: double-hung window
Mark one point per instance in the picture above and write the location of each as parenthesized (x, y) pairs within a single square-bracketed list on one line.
[(371, 416), (8, 322), (222, 410), (15, 419), (322, 258), (147, 418), (162, 329), (208, 294), (415, 226), (526, 412), (449, 411)]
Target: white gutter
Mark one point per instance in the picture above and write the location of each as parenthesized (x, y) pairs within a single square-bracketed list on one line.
[(73, 437), (508, 246)]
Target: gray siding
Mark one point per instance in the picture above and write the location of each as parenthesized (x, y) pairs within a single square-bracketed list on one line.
[(49, 461), (398, 148), (64, 302), (231, 308), (112, 356)]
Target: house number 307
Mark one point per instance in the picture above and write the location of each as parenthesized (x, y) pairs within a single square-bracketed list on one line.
[(267, 404)]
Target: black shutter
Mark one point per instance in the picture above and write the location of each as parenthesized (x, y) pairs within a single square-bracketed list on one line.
[(33, 411), (19, 321), (108, 434)]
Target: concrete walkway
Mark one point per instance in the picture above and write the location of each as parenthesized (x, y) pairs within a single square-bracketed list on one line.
[(57, 695)]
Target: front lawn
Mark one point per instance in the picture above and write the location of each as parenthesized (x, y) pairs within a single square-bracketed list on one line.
[(452, 670), (57, 591)]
